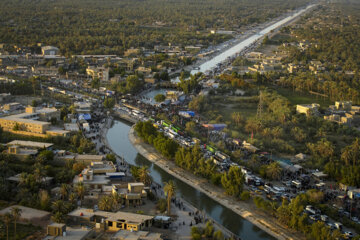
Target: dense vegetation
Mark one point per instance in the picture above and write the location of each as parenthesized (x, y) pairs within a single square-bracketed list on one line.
[(111, 26), (332, 36), (191, 159)]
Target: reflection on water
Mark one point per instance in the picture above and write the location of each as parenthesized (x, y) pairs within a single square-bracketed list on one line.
[(118, 139)]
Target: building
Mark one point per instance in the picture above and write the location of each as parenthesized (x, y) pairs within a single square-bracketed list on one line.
[(132, 193), (139, 235), (101, 73), (111, 221), (12, 106), (21, 153), (87, 159), (45, 71), (32, 215), (5, 97), (32, 122), (30, 144), (49, 51), (59, 231), (103, 167), (307, 109), (90, 180), (82, 107), (21, 125)]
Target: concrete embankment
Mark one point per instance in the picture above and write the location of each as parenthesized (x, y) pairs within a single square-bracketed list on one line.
[(246, 210)]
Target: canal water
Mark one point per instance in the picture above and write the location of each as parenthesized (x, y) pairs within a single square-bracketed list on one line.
[(212, 63), (117, 137)]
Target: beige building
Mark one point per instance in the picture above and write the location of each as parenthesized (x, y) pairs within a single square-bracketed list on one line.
[(132, 194), (112, 221), (307, 109), (32, 122), (98, 72)]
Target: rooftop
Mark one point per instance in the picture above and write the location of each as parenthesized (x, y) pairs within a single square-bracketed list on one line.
[(125, 216), (80, 157), (26, 212), (127, 235), (30, 144), (20, 118)]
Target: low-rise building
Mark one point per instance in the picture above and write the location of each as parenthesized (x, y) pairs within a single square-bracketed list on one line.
[(49, 51), (308, 109), (32, 122), (35, 216), (101, 73), (111, 221), (139, 235), (103, 167)]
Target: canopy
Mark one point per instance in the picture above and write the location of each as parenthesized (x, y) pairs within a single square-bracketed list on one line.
[(216, 127)]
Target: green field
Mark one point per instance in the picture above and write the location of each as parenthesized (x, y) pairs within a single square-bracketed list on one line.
[(303, 98), (225, 107)]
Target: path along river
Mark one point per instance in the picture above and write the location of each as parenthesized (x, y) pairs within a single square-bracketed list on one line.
[(117, 137)]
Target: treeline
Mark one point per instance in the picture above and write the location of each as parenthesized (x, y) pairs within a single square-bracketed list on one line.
[(332, 147), (192, 159), (104, 27), (332, 35), (162, 144)]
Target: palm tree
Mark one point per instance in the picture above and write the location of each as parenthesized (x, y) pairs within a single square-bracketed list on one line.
[(64, 191), (80, 189), (170, 190), (16, 213), (7, 218), (106, 203), (58, 217), (274, 170), (144, 175), (59, 206), (72, 197)]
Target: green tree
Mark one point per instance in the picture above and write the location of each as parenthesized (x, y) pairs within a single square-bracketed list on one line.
[(274, 171), (106, 203), (233, 181), (109, 102), (169, 190), (7, 218), (16, 213), (160, 98), (144, 175), (133, 84), (80, 190), (64, 191), (95, 83)]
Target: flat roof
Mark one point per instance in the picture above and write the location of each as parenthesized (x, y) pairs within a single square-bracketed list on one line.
[(126, 216), (30, 144), (89, 157), (27, 213), (128, 235), (136, 184), (19, 118)]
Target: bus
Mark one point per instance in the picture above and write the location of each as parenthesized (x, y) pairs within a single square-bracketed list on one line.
[(211, 148), (165, 123), (175, 128)]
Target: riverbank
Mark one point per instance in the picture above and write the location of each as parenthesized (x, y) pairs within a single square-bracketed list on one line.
[(181, 227), (246, 210)]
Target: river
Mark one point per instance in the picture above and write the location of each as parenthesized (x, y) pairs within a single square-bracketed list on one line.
[(212, 63), (117, 137)]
